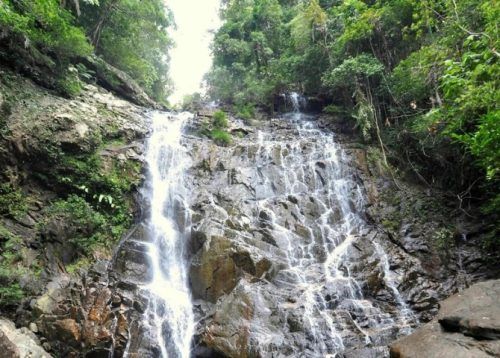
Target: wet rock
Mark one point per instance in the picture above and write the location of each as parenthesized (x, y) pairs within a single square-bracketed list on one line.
[(132, 262), (213, 273)]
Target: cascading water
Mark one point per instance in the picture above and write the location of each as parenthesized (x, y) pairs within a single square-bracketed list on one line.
[(303, 207), (314, 168), (169, 313)]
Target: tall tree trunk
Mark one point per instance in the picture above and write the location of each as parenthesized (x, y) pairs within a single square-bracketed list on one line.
[(104, 16)]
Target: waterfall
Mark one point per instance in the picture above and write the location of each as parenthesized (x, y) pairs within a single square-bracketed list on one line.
[(170, 310), (323, 261), (305, 197)]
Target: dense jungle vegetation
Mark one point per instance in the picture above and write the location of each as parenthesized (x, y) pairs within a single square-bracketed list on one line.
[(420, 78), (128, 34)]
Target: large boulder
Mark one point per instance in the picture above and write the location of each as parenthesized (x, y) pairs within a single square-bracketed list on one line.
[(467, 325), (19, 343), (118, 82)]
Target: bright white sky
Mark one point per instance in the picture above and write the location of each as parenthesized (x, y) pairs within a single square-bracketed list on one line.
[(190, 58)]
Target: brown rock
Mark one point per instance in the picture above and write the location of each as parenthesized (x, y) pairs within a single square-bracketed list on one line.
[(100, 311), (68, 329), (467, 326), (214, 273)]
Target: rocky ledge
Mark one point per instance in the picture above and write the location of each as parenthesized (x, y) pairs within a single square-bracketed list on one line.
[(467, 325)]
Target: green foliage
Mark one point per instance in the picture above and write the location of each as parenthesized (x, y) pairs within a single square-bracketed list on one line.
[(484, 143), (245, 111), (245, 49), (11, 268), (46, 26), (364, 114), (69, 84), (13, 202), (333, 109), (216, 129), (443, 238), (87, 228), (81, 263), (220, 137), (219, 120), (99, 192), (11, 294), (353, 70), (132, 36), (129, 34)]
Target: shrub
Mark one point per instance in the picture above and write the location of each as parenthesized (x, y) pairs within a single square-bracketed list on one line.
[(11, 294), (86, 227), (245, 111), (69, 84), (220, 137), (10, 271), (219, 120), (46, 25)]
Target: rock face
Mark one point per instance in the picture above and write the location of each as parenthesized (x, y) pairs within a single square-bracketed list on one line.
[(19, 343), (467, 325), (293, 251), (119, 82), (75, 307)]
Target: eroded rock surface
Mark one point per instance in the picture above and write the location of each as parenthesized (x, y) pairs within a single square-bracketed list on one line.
[(293, 252)]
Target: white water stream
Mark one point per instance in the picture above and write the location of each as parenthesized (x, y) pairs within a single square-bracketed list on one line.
[(170, 310), (308, 166), (314, 167)]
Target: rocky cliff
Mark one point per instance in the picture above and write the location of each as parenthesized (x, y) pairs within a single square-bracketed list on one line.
[(302, 242)]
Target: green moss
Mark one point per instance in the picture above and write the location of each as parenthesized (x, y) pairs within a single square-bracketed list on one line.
[(13, 202)]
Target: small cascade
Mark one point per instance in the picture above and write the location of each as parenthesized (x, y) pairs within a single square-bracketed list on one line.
[(170, 311), (321, 254)]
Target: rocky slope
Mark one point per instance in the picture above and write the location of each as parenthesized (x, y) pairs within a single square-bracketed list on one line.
[(70, 173), (267, 277)]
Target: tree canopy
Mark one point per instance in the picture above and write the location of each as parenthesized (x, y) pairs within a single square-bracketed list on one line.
[(129, 34)]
